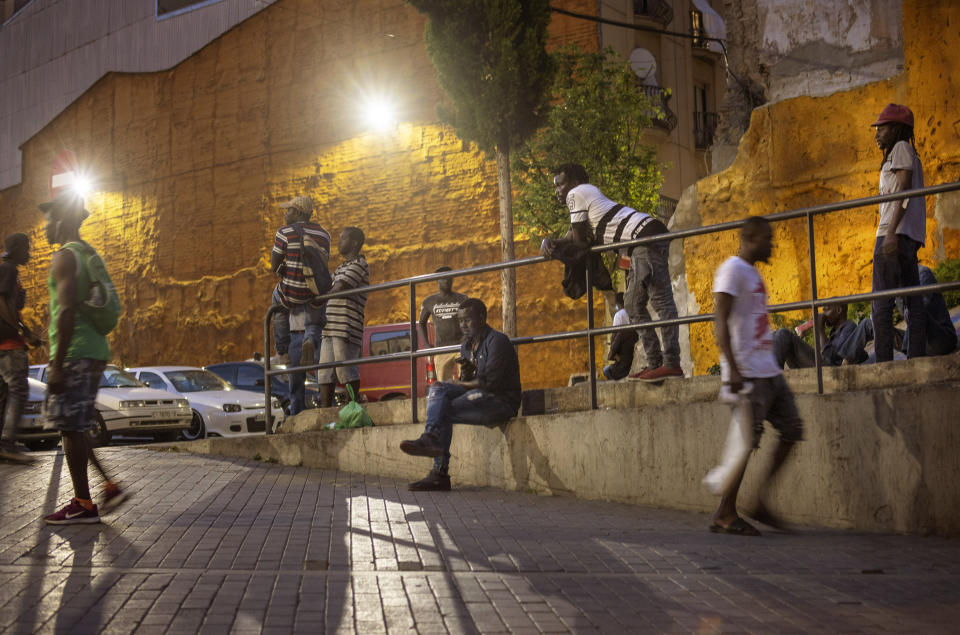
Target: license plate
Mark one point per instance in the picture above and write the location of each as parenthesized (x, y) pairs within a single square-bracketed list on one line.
[(166, 414), (260, 417)]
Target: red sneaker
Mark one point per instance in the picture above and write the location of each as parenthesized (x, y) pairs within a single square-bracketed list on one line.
[(657, 374), (73, 514)]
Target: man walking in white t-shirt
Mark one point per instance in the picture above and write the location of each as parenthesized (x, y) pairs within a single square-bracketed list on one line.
[(748, 367), (595, 219)]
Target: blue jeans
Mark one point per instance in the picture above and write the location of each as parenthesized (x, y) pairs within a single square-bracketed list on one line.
[(448, 404), (893, 273), (296, 381), (316, 319), (614, 372), (649, 279)]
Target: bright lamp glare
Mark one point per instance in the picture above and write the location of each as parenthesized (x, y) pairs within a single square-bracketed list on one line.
[(81, 185), (380, 114)]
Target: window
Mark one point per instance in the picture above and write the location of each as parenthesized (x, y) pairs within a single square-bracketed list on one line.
[(390, 342), (114, 377), (153, 380), (174, 7), (249, 376)]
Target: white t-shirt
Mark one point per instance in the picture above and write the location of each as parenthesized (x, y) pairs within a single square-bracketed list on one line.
[(588, 205), (750, 336), (914, 223), (620, 318)]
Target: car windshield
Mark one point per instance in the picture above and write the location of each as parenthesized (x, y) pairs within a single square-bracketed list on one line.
[(196, 381), (117, 378)]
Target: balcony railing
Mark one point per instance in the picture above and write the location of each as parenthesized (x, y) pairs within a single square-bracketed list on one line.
[(665, 208), (704, 127), (659, 10), (661, 114)]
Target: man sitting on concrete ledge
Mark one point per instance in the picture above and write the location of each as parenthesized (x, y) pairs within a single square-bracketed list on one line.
[(845, 343), (488, 393)]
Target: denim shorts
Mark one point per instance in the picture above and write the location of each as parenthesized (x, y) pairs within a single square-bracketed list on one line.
[(337, 349), (74, 409)]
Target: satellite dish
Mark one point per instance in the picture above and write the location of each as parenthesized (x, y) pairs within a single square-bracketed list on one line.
[(644, 64)]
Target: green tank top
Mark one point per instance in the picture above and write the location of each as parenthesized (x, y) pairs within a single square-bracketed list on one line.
[(87, 343)]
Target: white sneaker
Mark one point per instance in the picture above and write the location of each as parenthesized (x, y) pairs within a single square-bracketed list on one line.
[(281, 359)]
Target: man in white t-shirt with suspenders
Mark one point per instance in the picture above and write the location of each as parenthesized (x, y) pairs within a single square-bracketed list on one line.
[(748, 366), (595, 219)]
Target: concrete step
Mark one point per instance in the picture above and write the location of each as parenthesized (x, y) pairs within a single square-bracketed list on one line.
[(629, 394), (876, 459)]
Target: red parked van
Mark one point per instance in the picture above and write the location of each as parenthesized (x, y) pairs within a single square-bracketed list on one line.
[(391, 380)]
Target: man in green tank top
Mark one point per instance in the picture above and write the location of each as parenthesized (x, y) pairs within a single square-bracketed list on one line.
[(78, 355)]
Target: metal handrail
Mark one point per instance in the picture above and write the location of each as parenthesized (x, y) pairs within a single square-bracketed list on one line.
[(814, 303)]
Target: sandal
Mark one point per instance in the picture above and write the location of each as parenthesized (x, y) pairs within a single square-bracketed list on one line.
[(764, 516), (738, 527)]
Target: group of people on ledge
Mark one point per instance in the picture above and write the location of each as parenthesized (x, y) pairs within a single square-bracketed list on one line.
[(751, 355)]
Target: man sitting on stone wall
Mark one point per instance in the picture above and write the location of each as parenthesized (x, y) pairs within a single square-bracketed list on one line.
[(845, 344), (487, 393)]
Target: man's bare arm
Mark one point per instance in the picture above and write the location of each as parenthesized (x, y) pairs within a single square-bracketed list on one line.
[(64, 270), (723, 304)]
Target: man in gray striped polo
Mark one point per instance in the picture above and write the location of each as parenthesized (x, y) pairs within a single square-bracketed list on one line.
[(596, 220)]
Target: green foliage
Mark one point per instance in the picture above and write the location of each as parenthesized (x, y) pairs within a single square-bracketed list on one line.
[(949, 271), (599, 119), (492, 62)]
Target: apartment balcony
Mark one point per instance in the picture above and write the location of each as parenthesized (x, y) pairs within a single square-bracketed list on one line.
[(657, 10), (661, 114), (704, 127)]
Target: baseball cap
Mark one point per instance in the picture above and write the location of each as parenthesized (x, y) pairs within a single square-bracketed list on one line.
[(302, 203), (66, 201), (895, 113)]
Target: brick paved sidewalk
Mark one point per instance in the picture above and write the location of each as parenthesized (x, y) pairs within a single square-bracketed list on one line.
[(215, 545)]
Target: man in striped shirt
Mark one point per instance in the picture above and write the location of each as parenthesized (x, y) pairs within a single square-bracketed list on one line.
[(343, 334), (595, 219), (292, 292)]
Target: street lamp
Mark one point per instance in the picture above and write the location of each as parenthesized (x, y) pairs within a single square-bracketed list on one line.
[(380, 113)]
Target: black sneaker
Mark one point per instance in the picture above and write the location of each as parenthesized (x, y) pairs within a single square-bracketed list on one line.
[(435, 482), (426, 445)]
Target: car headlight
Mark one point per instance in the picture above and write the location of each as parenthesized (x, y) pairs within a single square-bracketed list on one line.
[(231, 407), (276, 403), (182, 403), (132, 404)]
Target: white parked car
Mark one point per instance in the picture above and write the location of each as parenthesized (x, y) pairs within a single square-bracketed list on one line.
[(218, 408), (31, 432), (127, 406)]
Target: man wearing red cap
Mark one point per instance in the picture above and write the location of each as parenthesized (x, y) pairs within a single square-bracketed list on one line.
[(900, 233)]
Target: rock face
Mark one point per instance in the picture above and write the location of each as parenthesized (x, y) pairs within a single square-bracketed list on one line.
[(808, 150), (779, 49), (191, 163)]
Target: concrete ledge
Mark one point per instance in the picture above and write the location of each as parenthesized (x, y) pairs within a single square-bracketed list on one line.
[(627, 394), (875, 460)]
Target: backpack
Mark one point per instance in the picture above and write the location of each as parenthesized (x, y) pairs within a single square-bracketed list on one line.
[(101, 308), (315, 271)]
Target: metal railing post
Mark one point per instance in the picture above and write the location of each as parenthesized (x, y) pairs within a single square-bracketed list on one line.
[(813, 304), (267, 393), (414, 394), (591, 343)]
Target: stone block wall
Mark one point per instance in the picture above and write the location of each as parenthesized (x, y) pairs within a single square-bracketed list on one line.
[(190, 165), (809, 151)]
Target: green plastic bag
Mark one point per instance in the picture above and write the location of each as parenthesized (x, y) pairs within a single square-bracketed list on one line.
[(353, 415)]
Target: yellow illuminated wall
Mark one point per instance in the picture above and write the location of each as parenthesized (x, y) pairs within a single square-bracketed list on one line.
[(809, 151), (191, 163)]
